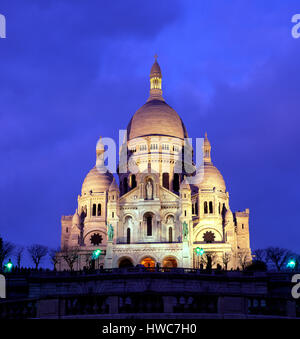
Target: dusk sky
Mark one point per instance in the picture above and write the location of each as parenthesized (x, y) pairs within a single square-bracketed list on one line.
[(73, 70)]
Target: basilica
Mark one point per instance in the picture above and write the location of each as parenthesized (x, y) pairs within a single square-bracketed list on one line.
[(163, 210)]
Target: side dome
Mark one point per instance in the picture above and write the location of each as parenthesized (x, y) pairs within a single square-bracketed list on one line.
[(99, 178), (76, 219), (156, 117), (97, 181), (208, 176)]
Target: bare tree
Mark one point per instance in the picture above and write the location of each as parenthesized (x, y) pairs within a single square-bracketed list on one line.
[(54, 257), (19, 254), (260, 254), (37, 253), (209, 259), (226, 257), (70, 256), (244, 258), (6, 249), (277, 256)]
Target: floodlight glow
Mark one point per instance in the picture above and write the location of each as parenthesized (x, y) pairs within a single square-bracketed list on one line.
[(96, 254), (199, 251)]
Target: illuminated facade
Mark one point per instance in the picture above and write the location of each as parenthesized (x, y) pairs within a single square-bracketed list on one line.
[(156, 215)]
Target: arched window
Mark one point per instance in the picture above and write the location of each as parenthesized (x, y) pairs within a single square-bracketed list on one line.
[(125, 185), (219, 208), (128, 235), (94, 210), (133, 181), (196, 208), (211, 207), (99, 210), (149, 225), (170, 234), (166, 180), (176, 182), (205, 207)]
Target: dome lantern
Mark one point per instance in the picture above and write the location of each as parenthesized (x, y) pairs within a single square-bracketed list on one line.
[(155, 81), (206, 150)]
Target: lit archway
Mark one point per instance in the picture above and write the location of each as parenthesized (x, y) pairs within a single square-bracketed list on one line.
[(148, 262), (169, 262), (125, 262)]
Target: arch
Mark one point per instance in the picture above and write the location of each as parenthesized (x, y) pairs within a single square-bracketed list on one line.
[(168, 217), (176, 182), (133, 181), (211, 209), (148, 262), (148, 219), (170, 234), (165, 180), (125, 262), (170, 262), (94, 210), (128, 236)]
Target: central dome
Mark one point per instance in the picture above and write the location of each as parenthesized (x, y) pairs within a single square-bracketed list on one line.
[(156, 117)]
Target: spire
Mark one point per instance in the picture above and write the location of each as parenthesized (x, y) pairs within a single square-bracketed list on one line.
[(206, 150), (155, 81)]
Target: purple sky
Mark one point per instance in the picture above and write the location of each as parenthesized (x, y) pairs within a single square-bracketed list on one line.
[(73, 70)]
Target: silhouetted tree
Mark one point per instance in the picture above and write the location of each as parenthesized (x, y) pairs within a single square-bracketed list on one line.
[(226, 259), (70, 256), (19, 254), (53, 257), (209, 259), (6, 249), (244, 258), (37, 253), (260, 254), (277, 256)]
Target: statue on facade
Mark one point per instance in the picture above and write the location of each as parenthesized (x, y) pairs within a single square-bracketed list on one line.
[(110, 232), (149, 190), (185, 230)]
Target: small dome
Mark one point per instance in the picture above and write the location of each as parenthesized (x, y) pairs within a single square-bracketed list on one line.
[(76, 219), (184, 184), (97, 181), (114, 186), (210, 177), (156, 117)]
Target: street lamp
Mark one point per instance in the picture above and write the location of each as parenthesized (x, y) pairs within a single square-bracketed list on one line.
[(199, 251)]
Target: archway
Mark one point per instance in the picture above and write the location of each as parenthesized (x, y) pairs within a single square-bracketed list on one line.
[(148, 262), (125, 262), (169, 262)]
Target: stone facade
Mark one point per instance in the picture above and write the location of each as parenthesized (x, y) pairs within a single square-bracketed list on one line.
[(164, 211)]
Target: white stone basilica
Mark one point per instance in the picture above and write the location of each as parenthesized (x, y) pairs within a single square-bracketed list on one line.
[(156, 215)]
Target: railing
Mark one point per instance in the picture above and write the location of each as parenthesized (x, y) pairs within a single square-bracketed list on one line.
[(18, 309)]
